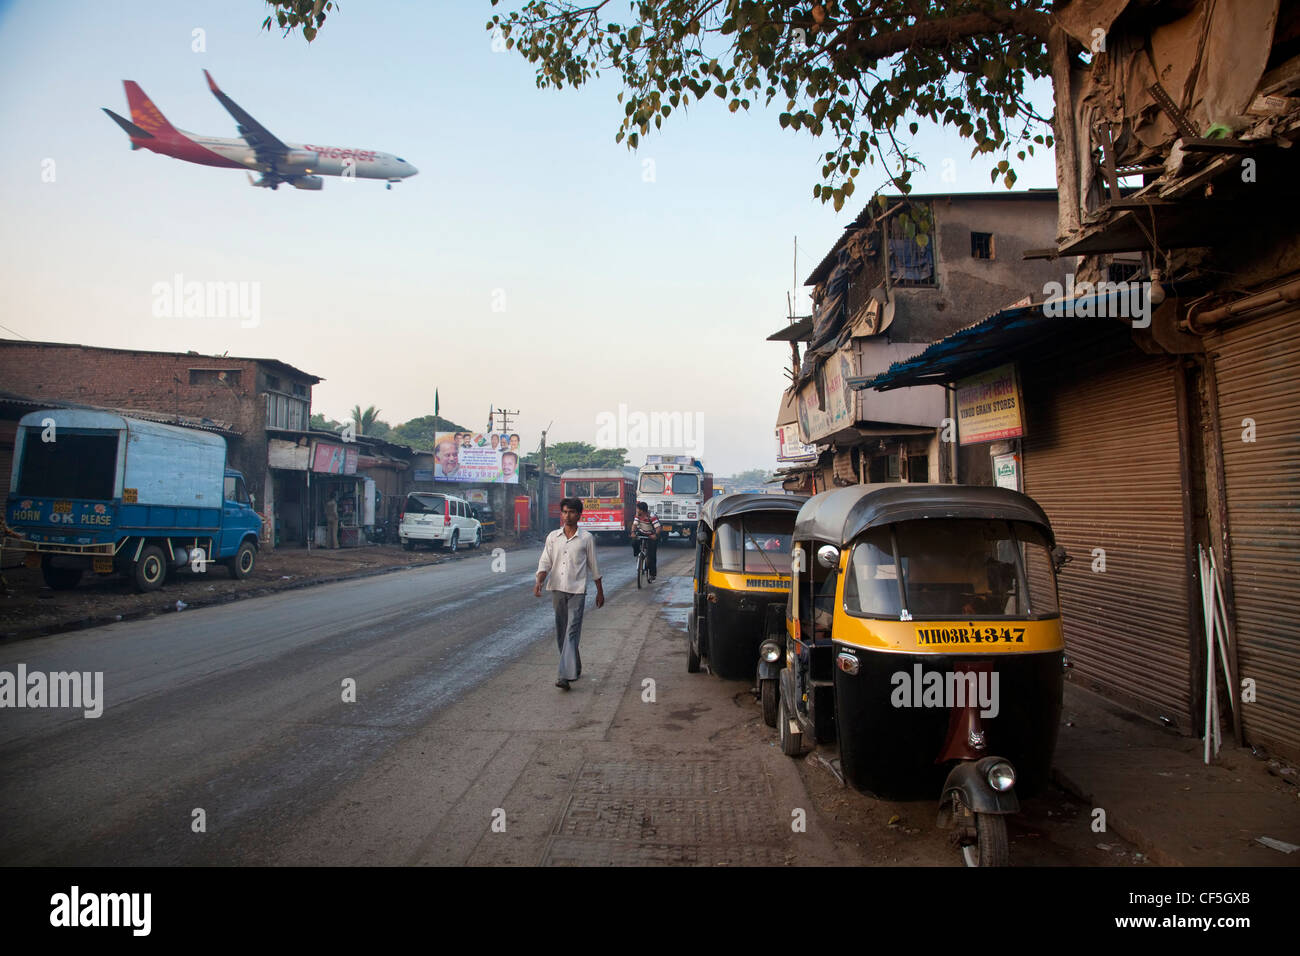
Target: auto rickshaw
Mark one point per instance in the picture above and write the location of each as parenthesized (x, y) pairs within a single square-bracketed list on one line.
[(923, 635), (742, 577)]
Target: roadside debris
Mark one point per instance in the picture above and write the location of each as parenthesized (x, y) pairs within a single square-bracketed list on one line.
[(1280, 845)]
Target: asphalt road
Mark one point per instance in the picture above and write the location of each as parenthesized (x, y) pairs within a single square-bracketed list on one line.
[(238, 710)]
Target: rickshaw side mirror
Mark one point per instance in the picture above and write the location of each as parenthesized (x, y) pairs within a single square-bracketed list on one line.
[(1059, 558), (828, 556)]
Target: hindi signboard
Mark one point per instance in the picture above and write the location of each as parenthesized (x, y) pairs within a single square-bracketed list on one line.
[(989, 406)]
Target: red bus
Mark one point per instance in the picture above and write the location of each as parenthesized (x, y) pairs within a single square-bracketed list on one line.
[(608, 499)]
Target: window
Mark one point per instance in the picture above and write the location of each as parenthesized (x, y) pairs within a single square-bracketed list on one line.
[(299, 390), (981, 245), (952, 569), (273, 382), (686, 484), (235, 490), (425, 504), (73, 466), (756, 544), (911, 264), (1124, 271), (284, 411), (214, 376), (577, 489), (652, 482), (607, 489)]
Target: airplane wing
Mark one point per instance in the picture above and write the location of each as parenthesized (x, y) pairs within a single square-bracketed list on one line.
[(264, 143)]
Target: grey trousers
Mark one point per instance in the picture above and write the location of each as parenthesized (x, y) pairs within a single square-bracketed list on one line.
[(568, 629)]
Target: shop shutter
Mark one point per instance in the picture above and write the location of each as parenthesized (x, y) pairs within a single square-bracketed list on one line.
[(1257, 367), (1101, 456)]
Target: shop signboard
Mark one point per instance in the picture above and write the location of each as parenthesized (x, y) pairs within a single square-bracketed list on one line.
[(789, 448), (331, 459), (989, 406), (479, 457), (818, 419), (1006, 471)]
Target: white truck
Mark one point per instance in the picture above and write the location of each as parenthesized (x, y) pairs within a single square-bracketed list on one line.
[(674, 488)]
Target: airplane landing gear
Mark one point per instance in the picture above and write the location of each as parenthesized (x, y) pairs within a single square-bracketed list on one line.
[(390, 186)]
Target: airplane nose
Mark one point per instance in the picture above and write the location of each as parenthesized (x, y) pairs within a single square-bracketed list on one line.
[(411, 170)]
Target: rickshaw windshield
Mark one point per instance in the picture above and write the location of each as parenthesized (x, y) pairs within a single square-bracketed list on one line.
[(754, 543), (958, 567)]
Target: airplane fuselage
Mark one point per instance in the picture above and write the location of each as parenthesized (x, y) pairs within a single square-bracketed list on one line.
[(256, 150), (235, 153)]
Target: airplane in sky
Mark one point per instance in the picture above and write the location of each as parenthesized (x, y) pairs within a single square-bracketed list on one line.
[(301, 166)]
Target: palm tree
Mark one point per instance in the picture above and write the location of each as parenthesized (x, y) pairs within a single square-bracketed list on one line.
[(364, 421)]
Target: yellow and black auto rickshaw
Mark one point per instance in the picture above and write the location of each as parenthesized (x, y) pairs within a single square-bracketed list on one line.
[(924, 636), (742, 578)]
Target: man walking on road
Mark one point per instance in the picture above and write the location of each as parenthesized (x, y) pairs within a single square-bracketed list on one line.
[(567, 556)]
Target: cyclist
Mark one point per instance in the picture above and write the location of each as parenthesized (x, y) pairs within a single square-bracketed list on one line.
[(645, 528)]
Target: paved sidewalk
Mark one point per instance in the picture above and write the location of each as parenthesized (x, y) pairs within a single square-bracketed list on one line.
[(1160, 796)]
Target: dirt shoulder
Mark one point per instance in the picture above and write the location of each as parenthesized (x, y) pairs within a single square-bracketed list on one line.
[(29, 609)]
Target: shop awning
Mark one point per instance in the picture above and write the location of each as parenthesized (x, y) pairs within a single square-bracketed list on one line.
[(997, 339)]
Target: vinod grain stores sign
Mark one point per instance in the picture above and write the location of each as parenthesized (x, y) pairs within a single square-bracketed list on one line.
[(989, 406)]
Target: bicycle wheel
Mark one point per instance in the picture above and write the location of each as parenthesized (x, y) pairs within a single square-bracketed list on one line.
[(640, 568)]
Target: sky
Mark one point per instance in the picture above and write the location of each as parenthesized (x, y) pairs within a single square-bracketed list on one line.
[(533, 264)]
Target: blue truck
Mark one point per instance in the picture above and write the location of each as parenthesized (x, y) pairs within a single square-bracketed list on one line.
[(92, 490)]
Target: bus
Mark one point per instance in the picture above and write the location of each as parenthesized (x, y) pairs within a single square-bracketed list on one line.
[(673, 486), (608, 500)]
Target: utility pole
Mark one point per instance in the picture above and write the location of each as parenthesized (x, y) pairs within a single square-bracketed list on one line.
[(541, 484), (505, 418)]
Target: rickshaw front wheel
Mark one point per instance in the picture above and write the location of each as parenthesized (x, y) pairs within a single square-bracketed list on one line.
[(791, 741), (770, 694), (990, 847)]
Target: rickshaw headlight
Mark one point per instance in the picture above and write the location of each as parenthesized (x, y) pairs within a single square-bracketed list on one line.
[(770, 652), (1002, 777)]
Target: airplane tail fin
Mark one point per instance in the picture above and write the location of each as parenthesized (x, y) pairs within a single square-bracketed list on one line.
[(144, 114), (135, 132)]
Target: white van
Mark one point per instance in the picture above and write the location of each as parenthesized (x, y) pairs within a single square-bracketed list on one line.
[(440, 519)]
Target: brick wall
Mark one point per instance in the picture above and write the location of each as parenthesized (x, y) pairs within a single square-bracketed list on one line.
[(153, 381)]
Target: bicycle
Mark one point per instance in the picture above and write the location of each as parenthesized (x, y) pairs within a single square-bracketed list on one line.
[(641, 558)]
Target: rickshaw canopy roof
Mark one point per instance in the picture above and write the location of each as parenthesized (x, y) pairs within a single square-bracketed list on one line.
[(840, 515), (745, 502)]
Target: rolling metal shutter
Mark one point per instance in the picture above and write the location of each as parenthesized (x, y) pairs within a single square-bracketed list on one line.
[(1101, 455), (1257, 367)]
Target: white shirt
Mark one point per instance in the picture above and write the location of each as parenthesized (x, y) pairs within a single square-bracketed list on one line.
[(567, 561)]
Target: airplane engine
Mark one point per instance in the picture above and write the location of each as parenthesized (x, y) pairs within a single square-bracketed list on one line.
[(308, 182), (299, 159)]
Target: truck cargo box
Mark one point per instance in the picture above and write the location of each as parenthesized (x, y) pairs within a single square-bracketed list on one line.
[(102, 456)]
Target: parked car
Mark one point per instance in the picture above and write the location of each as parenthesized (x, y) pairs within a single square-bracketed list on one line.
[(486, 518), (440, 519)]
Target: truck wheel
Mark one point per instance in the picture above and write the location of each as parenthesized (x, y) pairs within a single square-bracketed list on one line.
[(770, 694), (151, 569), (241, 565), (59, 579)]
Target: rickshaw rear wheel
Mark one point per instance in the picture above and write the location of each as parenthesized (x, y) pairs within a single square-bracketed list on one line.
[(791, 742), (770, 694), (990, 847), (692, 655)]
